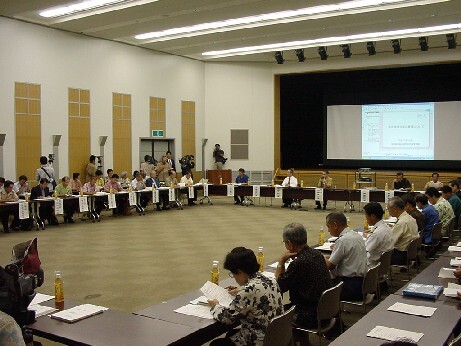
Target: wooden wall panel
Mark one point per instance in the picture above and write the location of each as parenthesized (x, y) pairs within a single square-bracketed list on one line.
[(157, 114), (121, 127), (188, 127)]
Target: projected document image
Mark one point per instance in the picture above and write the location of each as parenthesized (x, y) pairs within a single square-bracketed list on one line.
[(398, 131)]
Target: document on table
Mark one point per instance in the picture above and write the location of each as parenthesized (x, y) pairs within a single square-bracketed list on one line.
[(41, 310), (446, 273), (40, 298), (452, 290), (78, 313), (275, 264), (412, 309), (459, 243), (455, 262), (269, 275), (325, 247), (454, 248), (213, 291), (393, 334), (196, 310)]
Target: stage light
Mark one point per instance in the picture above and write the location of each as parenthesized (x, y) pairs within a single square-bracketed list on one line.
[(323, 53), (346, 48), (424, 43), (371, 48), (451, 41), (279, 57), (300, 55), (396, 46)]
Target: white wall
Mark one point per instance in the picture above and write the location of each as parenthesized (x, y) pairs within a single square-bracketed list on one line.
[(58, 60), (240, 96)]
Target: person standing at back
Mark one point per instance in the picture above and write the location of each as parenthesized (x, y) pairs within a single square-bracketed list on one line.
[(47, 172), (90, 169), (218, 155), (170, 160)]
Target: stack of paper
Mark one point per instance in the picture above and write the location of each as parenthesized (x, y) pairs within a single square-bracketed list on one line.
[(454, 248), (325, 247), (446, 273), (452, 290), (197, 310), (332, 239), (455, 262), (41, 310), (40, 298), (78, 313), (393, 334), (270, 275), (412, 309), (213, 291), (287, 263)]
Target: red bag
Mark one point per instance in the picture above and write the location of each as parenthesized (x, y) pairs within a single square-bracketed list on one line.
[(27, 253)]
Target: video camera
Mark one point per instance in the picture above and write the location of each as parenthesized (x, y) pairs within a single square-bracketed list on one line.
[(50, 158), (187, 162)]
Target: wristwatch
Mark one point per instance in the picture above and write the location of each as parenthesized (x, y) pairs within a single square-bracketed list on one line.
[(280, 266)]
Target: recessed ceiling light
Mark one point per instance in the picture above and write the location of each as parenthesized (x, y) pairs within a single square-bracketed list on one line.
[(315, 12), (337, 40)]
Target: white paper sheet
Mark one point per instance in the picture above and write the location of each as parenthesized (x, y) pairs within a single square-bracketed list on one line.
[(79, 312), (454, 248), (40, 298), (455, 262), (269, 275), (412, 309), (196, 310), (41, 310), (213, 291), (452, 290), (393, 334), (446, 273), (275, 264), (325, 247)]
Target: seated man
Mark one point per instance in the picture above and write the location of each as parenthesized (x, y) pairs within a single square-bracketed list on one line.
[(40, 191), (64, 190), (455, 202), (380, 240), (455, 187), (241, 178), (114, 186), (403, 232), (138, 185), (435, 182), (110, 172), (325, 182), (99, 178), (90, 189), (444, 208), (306, 278), (8, 195), (289, 181), (76, 184), (401, 183), (187, 179), (155, 184), (349, 257), (21, 186), (431, 217), (410, 208), (171, 179)]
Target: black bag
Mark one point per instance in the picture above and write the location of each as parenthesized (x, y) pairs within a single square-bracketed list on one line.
[(52, 181)]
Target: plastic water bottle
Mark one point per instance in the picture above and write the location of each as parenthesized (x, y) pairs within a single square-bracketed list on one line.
[(81, 191), (354, 185), (220, 180), (260, 258), (55, 195), (249, 182), (365, 225), (412, 187), (386, 187), (302, 183), (386, 214), (272, 182), (58, 291), (321, 236), (26, 196), (215, 273), (348, 222)]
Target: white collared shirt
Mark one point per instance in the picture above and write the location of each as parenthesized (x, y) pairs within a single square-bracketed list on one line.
[(378, 242), (290, 181)]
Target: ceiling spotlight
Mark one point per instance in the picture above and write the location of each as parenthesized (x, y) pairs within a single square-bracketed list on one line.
[(279, 57), (323, 53), (346, 48), (424, 43), (396, 46), (300, 55), (371, 48), (451, 40)]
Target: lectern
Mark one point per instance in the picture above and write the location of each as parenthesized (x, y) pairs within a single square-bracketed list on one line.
[(213, 176)]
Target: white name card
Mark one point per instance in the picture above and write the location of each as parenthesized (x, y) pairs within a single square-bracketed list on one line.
[(230, 190), (58, 206), (23, 210), (191, 192), (278, 192), (364, 195), (83, 203), (205, 190), (132, 198), (256, 190), (111, 200), (156, 196), (387, 195), (318, 194), (171, 195)]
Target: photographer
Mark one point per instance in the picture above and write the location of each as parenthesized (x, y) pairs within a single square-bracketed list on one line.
[(90, 169), (46, 171), (218, 155), (187, 163)]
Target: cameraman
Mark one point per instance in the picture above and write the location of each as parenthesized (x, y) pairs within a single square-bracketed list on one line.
[(187, 164), (219, 159)]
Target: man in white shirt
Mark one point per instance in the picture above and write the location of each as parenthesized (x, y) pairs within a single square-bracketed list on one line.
[(137, 185), (289, 181), (187, 180), (404, 230), (21, 186), (380, 239)]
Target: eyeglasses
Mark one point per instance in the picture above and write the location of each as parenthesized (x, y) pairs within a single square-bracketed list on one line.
[(230, 274)]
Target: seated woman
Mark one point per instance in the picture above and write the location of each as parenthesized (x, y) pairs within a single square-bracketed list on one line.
[(257, 301)]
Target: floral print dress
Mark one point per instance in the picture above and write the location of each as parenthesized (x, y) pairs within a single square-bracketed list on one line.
[(258, 302)]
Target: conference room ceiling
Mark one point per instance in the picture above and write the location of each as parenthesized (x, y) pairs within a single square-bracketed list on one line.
[(148, 15)]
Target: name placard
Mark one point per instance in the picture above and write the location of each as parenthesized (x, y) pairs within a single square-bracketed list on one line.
[(132, 198), (58, 206), (230, 190), (318, 194), (23, 210), (83, 203), (364, 195), (278, 192), (256, 190), (111, 201)]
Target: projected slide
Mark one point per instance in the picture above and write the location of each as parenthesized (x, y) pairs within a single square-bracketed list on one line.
[(398, 131)]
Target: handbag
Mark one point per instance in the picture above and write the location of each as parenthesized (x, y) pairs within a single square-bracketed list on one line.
[(27, 253), (52, 181)]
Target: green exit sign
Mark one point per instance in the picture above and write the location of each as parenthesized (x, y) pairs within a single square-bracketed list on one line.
[(157, 133)]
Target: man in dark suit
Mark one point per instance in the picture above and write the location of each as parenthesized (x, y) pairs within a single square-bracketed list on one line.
[(170, 160), (154, 183), (46, 210)]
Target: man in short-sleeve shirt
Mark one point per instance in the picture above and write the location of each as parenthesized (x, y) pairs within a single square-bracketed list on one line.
[(444, 208), (349, 257)]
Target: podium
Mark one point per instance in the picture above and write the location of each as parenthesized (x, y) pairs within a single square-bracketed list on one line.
[(213, 176)]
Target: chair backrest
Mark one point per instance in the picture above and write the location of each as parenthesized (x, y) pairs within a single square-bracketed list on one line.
[(385, 261), (437, 232), (412, 249), (329, 303), (451, 227), (279, 331), (370, 281)]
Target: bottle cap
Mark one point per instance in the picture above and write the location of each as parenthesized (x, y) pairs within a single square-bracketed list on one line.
[(260, 249), (321, 228)]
